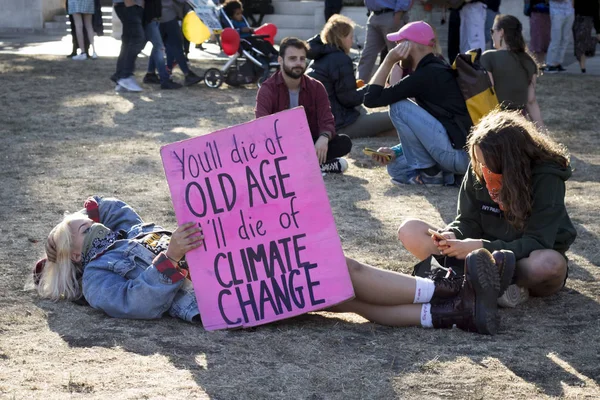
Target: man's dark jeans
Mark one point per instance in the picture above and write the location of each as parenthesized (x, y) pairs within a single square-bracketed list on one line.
[(173, 38), (133, 39)]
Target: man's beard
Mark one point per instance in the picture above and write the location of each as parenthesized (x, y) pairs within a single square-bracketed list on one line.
[(293, 73)]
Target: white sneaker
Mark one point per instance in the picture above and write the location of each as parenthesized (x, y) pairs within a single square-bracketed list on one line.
[(80, 57), (94, 56), (130, 84), (120, 88), (513, 296)]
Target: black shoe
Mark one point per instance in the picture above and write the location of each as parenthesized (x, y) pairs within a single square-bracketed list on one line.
[(551, 69), (114, 78), (335, 166), (170, 85), (583, 70), (560, 68), (446, 288), (505, 262), (475, 308), (72, 55), (151, 78), (191, 79)]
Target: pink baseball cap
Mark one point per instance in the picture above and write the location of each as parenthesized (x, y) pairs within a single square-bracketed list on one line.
[(418, 32)]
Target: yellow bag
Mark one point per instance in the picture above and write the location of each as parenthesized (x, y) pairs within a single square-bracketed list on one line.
[(194, 29), (475, 85)]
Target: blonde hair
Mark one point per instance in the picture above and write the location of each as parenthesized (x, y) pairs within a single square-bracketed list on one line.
[(59, 278), (336, 29)]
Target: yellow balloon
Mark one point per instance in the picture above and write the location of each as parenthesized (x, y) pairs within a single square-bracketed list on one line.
[(193, 29)]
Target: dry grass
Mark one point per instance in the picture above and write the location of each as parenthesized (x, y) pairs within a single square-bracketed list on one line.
[(66, 135)]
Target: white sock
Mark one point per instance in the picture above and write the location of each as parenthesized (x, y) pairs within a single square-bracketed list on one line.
[(424, 290), (426, 321)]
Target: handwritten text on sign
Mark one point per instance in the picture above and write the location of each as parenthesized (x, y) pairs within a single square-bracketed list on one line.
[(271, 249)]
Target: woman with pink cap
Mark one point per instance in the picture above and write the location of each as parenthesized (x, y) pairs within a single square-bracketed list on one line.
[(427, 109)]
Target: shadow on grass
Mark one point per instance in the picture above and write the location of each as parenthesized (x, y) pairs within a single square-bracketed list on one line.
[(360, 360), (584, 171)]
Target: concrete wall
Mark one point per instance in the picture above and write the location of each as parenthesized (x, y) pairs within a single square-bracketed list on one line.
[(28, 14)]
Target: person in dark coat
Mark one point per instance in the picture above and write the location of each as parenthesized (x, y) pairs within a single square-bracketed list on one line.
[(333, 67)]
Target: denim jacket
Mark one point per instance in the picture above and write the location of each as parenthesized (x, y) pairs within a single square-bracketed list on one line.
[(123, 282)]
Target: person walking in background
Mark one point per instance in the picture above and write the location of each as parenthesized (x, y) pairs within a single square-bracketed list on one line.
[(156, 61), (562, 16), (453, 33), (332, 7), (493, 9), (385, 16), (173, 38), (538, 12), (421, 10), (133, 39), (587, 16), (512, 70), (472, 25), (333, 67), (82, 12)]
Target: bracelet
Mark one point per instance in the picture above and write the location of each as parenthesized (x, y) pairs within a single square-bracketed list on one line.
[(172, 259), (326, 135)]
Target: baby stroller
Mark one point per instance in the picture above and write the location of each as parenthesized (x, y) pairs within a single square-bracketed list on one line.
[(247, 63)]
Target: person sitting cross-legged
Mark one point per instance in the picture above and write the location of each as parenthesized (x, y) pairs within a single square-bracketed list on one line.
[(289, 88), (433, 127), (513, 198), (332, 66)]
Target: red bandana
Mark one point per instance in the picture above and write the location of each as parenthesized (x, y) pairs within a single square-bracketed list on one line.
[(493, 183)]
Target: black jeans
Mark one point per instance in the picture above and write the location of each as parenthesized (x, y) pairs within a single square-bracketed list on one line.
[(133, 39), (173, 38), (332, 7), (339, 146)]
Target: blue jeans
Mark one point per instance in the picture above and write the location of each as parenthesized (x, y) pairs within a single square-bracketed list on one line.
[(171, 32), (157, 57), (132, 40), (425, 144), (560, 37)]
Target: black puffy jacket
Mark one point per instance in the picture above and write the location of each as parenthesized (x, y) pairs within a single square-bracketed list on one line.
[(334, 69)]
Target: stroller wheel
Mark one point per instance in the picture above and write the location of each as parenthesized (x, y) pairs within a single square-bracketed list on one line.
[(213, 78), (261, 80)]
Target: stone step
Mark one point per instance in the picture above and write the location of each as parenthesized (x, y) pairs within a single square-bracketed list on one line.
[(302, 7), (290, 21), (57, 26), (301, 33), (106, 18)]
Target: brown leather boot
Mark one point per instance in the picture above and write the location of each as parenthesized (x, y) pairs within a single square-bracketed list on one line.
[(475, 307), (505, 262)]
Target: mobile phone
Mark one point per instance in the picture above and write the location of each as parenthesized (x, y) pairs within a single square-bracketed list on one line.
[(371, 152), (436, 234)]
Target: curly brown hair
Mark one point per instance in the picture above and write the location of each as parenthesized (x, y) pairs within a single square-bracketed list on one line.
[(511, 145)]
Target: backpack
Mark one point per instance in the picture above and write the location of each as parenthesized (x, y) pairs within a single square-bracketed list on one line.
[(475, 84)]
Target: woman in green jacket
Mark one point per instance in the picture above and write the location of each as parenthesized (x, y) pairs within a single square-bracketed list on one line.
[(512, 198)]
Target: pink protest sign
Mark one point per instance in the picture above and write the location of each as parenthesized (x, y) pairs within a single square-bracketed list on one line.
[(271, 248)]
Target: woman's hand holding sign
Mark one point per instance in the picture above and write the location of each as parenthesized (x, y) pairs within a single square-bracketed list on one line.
[(185, 238)]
